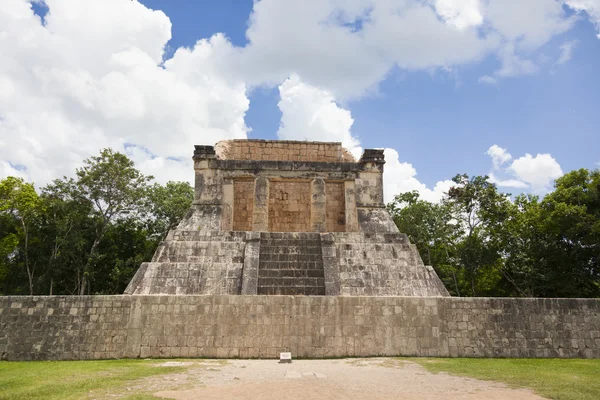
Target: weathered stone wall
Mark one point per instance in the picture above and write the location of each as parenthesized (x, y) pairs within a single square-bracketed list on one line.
[(383, 264), (243, 204), (275, 150), (289, 206), (335, 207), (193, 262), (62, 328)]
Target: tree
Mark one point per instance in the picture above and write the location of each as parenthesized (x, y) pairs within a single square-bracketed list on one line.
[(115, 189), (570, 226), (432, 228), (20, 200), (169, 204), (481, 212)]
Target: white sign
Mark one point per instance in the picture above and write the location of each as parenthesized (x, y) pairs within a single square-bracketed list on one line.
[(285, 357)]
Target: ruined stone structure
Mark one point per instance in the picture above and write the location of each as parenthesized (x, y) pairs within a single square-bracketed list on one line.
[(293, 218), (287, 217), (97, 327)]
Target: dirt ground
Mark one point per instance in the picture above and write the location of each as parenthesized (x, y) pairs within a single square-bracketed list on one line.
[(377, 379)]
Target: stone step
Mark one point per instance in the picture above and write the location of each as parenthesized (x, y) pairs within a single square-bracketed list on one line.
[(291, 291), (291, 273), (291, 264), (279, 265), (290, 282)]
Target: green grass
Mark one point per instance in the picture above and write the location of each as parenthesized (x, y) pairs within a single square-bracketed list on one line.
[(74, 379), (557, 379)]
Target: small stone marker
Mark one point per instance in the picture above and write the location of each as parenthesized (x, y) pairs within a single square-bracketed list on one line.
[(285, 357)]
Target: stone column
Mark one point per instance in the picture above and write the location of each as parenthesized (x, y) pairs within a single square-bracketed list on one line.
[(251, 264), (350, 206), (330, 265), (318, 211), (227, 213), (260, 217)]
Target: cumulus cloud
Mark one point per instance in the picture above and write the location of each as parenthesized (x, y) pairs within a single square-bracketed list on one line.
[(499, 155), (534, 173), (92, 74), (461, 14), (310, 113), (400, 177), (539, 171), (591, 7), (62, 99)]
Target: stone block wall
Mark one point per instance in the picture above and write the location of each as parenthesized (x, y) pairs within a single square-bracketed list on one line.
[(96, 327), (193, 262), (243, 204), (289, 206), (383, 264), (335, 207), (273, 150)]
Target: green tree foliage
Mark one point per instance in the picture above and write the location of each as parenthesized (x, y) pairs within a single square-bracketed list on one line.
[(169, 204), (483, 244), (20, 201), (88, 234)]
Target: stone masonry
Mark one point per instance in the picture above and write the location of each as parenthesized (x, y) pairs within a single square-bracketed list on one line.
[(324, 228), (100, 327), (288, 247)]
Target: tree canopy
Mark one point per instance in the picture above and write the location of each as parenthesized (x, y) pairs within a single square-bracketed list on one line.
[(86, 234), (90, 233), (482, 243)]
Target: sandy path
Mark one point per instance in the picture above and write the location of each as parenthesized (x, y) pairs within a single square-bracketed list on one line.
[(377, 379)]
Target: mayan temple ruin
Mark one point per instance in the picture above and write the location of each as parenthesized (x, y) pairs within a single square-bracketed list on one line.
[(287, 218), (288, 247)]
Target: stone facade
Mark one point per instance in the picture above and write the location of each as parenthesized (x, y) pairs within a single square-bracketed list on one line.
[(99, 327), (245, 186), (331, 232)]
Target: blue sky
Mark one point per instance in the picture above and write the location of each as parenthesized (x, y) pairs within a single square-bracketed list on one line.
[(438, 81), (443, 122)]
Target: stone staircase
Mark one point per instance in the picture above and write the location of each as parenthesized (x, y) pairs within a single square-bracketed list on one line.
[(291, 264)]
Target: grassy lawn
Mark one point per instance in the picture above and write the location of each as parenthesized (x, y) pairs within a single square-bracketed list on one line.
[(74, 379), (551, 378)]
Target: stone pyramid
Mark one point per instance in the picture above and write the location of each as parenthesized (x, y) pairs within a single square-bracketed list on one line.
[(287, 218)]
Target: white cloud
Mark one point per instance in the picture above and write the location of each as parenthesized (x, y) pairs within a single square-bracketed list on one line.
[(514, 183), (63, 99), (591, 7), (488, 80), (400, 177), (499, 155), (539, 171), (566, 52), (513, 64), (527, 172), (309, 113), (461, 14)]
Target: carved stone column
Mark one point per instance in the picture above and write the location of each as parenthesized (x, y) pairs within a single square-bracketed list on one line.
[(318, 211), (350, 206), (251, 264), (260, 220)]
